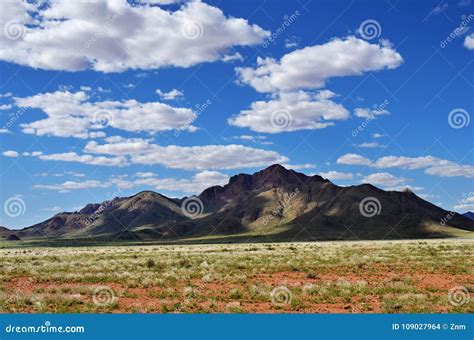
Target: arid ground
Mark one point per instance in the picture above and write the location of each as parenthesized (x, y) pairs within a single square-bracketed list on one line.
[(319, 277)]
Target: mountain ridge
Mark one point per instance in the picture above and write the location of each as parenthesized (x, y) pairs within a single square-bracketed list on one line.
[(469, 214), (274, 202)]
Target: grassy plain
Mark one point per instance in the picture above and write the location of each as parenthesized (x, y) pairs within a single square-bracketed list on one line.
[(319, 277)]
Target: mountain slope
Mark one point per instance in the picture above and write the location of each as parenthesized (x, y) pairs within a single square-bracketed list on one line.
[(7, 235), (275, 203), (312, 207), (146, 210), (469, 214)]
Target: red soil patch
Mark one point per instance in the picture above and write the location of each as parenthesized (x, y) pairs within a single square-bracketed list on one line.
[(215, 297)]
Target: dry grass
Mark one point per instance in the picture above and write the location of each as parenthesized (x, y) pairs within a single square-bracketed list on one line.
[(387, 277)]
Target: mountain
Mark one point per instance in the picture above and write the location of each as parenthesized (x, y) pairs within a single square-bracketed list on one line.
[(469, 214), (5, 233), (114, 219), (272, 204)]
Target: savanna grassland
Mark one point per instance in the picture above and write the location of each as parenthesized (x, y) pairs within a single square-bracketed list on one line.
[(324, 277)]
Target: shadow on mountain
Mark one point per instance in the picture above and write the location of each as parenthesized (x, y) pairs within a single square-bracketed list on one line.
[(274, 204)]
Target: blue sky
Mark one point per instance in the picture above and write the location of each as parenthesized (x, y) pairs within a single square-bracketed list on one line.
[(108, 99)]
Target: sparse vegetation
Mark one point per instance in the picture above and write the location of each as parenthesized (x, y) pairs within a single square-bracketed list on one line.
[(150, 263), (362, 277)]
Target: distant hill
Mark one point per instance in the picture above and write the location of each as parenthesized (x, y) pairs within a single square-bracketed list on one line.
[(272, 204), (4, 233), (469, 214)]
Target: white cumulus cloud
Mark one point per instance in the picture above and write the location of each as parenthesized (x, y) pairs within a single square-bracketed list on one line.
[(433, 165), (384, 179), (469, 41), (118, 151), (114, 35), (86, 159), (353, 159), (71, 185), (171, 95), (368, 113), (188, 157), (193, 185), (371, 145), (10, 153), (310, 67), (76, 115), (336, 175), (291, 111)]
